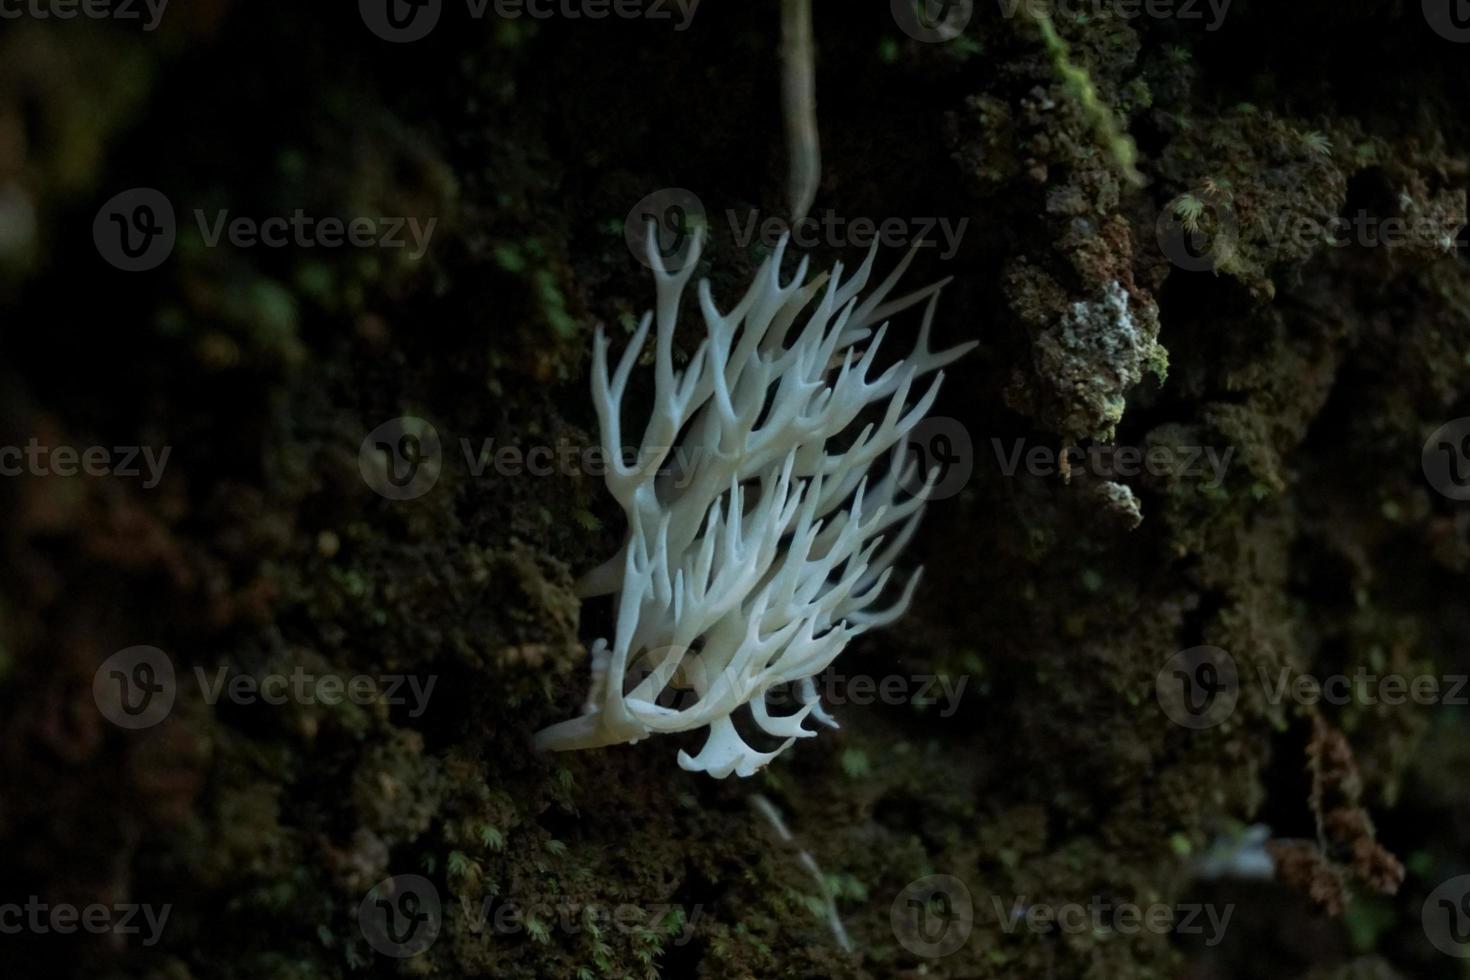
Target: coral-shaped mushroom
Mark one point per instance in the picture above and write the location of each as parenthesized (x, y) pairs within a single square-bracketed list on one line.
[(756, 546)]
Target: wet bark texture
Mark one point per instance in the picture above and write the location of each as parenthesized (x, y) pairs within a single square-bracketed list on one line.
[(1058, 602)]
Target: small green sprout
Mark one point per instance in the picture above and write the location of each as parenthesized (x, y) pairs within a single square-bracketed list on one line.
[(1188, 210), (1318, 143)]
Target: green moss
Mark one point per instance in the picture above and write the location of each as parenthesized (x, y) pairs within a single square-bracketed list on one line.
[(1079, 83)]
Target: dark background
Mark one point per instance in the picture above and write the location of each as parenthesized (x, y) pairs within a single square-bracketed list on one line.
[(1058, 780)]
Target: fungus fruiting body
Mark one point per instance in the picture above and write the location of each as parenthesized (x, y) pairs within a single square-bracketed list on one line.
[(758, 547)]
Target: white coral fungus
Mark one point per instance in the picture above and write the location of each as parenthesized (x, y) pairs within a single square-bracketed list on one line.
[(751, 564)]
